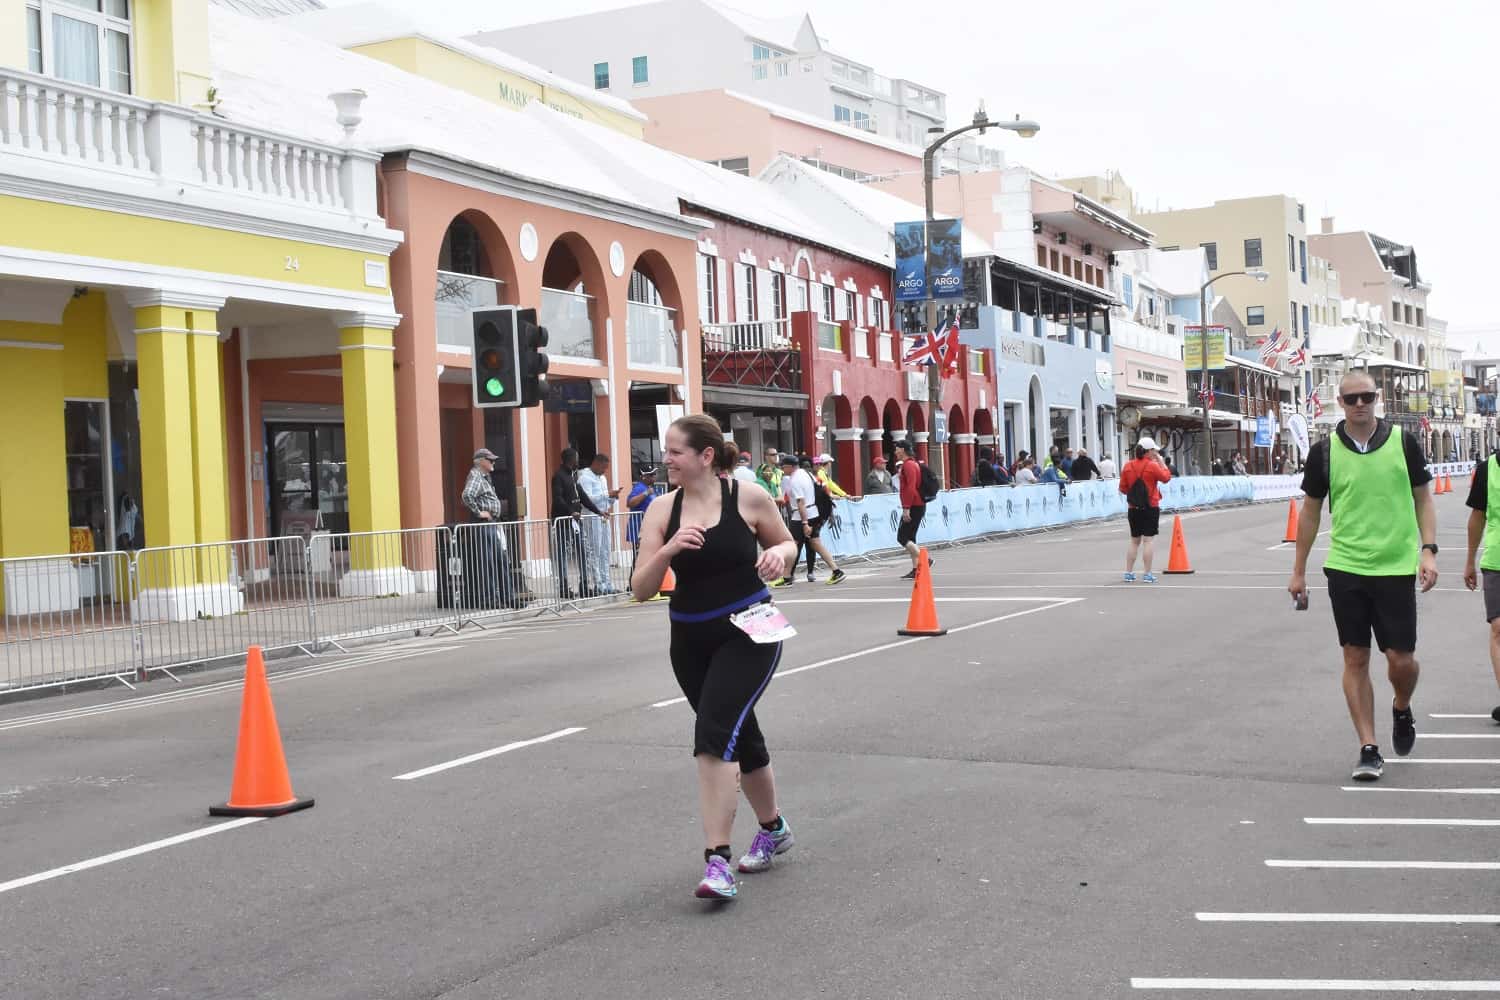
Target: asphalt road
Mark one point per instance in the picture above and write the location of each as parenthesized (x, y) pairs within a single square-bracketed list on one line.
[(1052, 801)]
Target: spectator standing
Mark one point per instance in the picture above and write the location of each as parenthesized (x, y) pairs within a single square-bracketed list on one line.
[(642, 492), (1107, 468), (984, 469), (567, 515), (742, 470), (594, 497), (1026, 472), (1067, 463), (1141, 481), (770, 472), (1083, 468), (878, 480), (484, 506), (1238, 463), (823, 474)]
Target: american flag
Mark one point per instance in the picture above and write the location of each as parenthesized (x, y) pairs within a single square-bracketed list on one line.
[(1314, 406), (1271, 346), (1206, 396)]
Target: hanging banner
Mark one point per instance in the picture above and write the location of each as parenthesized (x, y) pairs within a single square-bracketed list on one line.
[(1262, 432), (911, 261), (1192, 347), (945, 259)]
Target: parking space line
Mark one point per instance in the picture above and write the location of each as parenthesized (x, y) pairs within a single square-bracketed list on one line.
[(1396, 821), (1459, 866), (1325, 985), (1349, 918), (485, 754), (1052, 602), (129, 852)]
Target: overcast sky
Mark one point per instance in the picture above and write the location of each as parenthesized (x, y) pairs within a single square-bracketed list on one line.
[(1379, 113)]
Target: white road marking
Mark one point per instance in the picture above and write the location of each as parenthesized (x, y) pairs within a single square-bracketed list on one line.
[(1441, 715), (1395, 821), (129, 852), (896, 600), (485, 754), (1458, 736), (1349, 918), (1054, 602), (1283, 545), (1425, 791), (1444, 760), (1461, 866), (1326, 985)]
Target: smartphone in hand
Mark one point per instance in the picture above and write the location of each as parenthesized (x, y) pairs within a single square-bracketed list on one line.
[(1299, 603)]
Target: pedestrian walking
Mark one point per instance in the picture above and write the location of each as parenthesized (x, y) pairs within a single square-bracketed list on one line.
[(708, 534), (567, 518), (1107, 469), (913, 505), (1383, 543), (1484, 524), (823, 476), (595, 498), (878, 480), (1141, 481), (800, 491), (1083, 468)]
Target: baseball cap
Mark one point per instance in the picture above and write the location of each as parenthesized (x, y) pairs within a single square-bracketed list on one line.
[(823, 459), (788, 459), (485, 453), (1149, 443), (878, 459), (649, 470)]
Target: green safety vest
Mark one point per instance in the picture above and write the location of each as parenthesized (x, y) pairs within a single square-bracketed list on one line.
[(1491, 557), (1375, 517)]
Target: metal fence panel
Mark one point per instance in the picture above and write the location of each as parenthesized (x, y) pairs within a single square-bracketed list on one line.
[(376, 584), (66, 618)]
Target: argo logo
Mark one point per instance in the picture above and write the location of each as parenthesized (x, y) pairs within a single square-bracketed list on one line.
[(968, 513), (895, 519), (864, 525), (836, 525), (945, 514), (1010, 508)]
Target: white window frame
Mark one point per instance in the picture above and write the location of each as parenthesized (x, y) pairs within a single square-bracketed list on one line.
[(778, 296), (746, 308), (103, 23), (645, 62), (708, 287)]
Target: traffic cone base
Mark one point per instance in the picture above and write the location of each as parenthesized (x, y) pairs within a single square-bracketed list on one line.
[(1178, 561), (261, 785), (922, 619), (1291, 523)]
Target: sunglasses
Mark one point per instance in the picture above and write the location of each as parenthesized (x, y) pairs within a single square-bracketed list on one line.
[(1351, 398)]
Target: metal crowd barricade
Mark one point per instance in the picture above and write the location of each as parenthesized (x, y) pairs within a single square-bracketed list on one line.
[(376, 584), (499, 570), (66, 619)]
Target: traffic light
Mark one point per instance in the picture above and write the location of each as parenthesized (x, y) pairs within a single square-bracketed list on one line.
[(532, 364), (496, 360)]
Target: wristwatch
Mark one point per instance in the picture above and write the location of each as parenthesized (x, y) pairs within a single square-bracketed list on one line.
[(1431, 547)]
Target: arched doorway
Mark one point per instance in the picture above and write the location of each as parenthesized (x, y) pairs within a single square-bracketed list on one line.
[(1087, 426), (574, 308), (870, 445), (916, 423), (959, 450), (893, 426)]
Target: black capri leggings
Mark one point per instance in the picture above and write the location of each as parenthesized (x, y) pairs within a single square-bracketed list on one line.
[(723, 673)]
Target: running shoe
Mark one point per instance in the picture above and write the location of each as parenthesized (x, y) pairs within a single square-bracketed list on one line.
[(1496, 714), (1130, 578), (811, 578), (765, 846), (837, 577), (1403, 730), (718, 881), (1371, 765), (1149, 578), (910, 574), (785, 581)]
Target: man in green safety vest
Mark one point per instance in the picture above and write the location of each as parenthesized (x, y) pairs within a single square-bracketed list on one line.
[(1484, 521), (1383, 542)]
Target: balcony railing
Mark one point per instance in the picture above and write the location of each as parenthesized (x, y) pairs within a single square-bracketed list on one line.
[(45, 119), (1139, 338), (456, 295), (651, 336), (766, 335), (569, 319)]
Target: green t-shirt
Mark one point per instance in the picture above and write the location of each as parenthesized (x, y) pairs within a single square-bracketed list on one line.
[(1374, 513)]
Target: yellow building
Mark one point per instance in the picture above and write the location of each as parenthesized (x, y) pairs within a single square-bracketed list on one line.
[(143, 239)]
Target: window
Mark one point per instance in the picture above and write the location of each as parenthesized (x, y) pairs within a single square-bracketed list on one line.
[(1211, 251), (877, 314), (708, 288), (840, 68), (851, 307), (842, 114), (638, 71), (1301, 213), (1302, 258), (735, 165), (83, 41), (1252, 253), (828, 303), (1395, 311), (1041, 255), (778, 296), (1293, 306), (862, 120), (601, 76), (783, 67), (759, 52), (1306, 327), (976, 361), (1421, 320), (1255, 315), (1053, 255), (1291, 253), (744, 287), (1129, 293), (1406, 311)]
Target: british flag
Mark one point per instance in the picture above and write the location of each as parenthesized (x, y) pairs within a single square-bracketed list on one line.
[(1314, 406), (1297, 358), (1206, 396), (926, 349)]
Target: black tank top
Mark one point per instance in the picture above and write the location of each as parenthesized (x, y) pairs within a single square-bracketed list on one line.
[(719, 578)]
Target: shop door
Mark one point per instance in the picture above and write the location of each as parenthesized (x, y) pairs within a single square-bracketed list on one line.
[(308, 479)]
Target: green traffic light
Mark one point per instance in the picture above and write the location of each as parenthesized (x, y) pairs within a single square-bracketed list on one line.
[(494, 387)]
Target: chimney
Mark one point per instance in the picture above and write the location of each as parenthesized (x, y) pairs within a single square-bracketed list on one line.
[(1327, 224)]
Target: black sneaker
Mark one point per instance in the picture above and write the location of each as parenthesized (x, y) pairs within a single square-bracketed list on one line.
[(1403, 730), (910, 574), (1495, 714), (1371, 765), (837, 577)]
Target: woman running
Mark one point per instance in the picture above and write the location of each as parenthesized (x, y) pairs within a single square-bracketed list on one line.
[(707, 530)]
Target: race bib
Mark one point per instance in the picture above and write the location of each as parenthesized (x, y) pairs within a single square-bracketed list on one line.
[(764, 623)]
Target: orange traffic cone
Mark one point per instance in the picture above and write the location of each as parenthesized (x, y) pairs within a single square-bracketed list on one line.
[(668, 586), (1178, 561), (1291, 523), (1442, 485), (261, 784), (1447, 483), (922, 619)]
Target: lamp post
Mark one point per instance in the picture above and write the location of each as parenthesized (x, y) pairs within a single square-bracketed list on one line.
[(1025, 129), (1208, 420)]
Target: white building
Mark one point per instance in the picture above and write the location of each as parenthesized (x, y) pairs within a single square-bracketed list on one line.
[(638, 52)]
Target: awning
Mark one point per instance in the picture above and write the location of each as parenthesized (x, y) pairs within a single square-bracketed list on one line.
[(752, 399)]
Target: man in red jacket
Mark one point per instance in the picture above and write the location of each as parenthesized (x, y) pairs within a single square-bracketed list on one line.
[(912, 505), (1141, 481)]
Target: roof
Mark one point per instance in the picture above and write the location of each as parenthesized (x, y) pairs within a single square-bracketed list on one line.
[(781, 32), (829, 125), (1178, 273), (371, 22), (270, 8), (402, 112)]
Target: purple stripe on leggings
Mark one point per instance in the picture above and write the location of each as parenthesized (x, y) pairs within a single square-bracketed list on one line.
[(734, 736)]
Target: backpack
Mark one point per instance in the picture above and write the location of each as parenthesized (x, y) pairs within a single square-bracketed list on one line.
[(822, 500), (928, 486), (1139, 494)]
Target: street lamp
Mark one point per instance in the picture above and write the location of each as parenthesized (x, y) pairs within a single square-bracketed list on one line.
[(1025, 128), (1208, 425)]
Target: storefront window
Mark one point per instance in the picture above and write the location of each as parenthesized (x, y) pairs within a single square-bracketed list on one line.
[(125, 457), (86, 429), (1061, 419)]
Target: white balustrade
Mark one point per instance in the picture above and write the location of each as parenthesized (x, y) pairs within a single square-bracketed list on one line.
[(651, 336), (456, 294), (766, 335), (569, 319)]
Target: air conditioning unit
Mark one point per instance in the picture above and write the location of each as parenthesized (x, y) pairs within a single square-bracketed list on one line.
[(1036, 227)]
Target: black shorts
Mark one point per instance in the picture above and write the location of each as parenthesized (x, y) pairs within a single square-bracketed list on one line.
[(1144, 521), (1491, 580), (906, 531), (815, 523), (1385, 605), (723, 673)]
